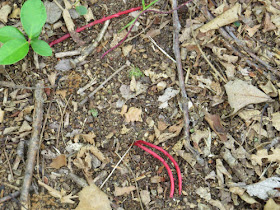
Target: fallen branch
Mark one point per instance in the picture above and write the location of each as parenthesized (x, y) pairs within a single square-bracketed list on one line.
[(33, 144), (184, 101)]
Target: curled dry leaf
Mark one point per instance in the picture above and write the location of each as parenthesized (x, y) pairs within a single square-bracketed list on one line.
[(215, 123)]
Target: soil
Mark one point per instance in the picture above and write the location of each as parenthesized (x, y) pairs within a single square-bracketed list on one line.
[(60, 103)]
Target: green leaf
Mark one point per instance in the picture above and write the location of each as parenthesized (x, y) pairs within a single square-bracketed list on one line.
[(13, 51), (33, 16), (81, 10), (41, 47), (8, 33)]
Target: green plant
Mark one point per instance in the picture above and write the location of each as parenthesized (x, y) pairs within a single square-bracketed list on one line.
[(144, 7), (15, 46), (94, 112), (136, 72), (82, 10)]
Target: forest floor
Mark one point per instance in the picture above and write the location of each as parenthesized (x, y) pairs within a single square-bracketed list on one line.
[(231, 75)]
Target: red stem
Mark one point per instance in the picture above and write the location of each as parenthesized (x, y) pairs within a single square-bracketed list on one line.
[(170, 157), (150, 10), (94, 23), (165, 165)]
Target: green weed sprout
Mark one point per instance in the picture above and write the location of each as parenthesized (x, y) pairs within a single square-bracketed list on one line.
[(15, 47), (144, 7), (136, 72)]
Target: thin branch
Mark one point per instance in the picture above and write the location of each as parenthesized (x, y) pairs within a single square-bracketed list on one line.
[(33, 144), (176, 49)]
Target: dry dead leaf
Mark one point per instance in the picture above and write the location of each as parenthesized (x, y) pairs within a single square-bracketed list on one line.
[(86, 137), (133, 115), (270, 204), (241, 94), (268, 25), (92, 198), (59, 162), (276, 120), (264, 189), (168, 94), (25, 127), (145, 197), (263, 154), (220, 52), (227, 17), (61, 195), (269, 89), (124, 190), (252, 31), (215, 123)]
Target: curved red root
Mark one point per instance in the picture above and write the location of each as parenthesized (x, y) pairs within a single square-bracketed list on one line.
[(164, 163), (170, 157)]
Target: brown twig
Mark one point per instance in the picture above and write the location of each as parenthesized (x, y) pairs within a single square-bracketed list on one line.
[(176, 49), (33, 144)]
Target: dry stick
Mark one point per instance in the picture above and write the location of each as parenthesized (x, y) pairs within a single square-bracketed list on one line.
[(165, 53), (225, 34), (89, 49), (101, 86), (33, 143), (9, 197), (118, 163), (176, 49)]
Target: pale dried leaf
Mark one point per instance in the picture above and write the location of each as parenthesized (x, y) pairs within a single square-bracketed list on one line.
[(276, 120), (265, 189), (123, 190), (133, 115), (228, 17), (145, 197), (270, 204), (91, 197), (263, 154), (239, 98)]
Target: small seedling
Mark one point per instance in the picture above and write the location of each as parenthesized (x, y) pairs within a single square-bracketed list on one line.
[(15, 47), (82, 10), (144, 7), (136, 72), (94, 112)]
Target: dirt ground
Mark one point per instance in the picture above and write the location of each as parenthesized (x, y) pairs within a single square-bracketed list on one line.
[(233, 103)]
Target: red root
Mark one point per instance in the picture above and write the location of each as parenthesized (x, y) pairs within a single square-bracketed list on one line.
[(139, 144)]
